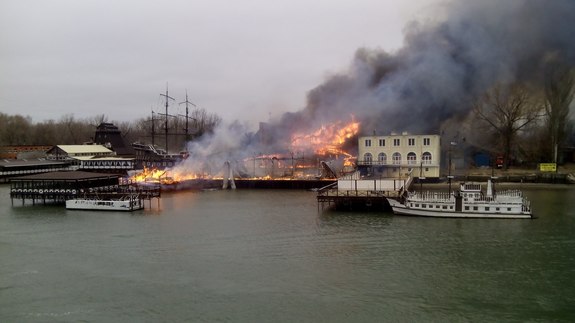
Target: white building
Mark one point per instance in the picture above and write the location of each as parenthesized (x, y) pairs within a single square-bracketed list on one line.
[(398, 155), (91, 157)]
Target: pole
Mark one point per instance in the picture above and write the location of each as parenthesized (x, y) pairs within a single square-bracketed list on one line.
[(187, 102), (166, 121)]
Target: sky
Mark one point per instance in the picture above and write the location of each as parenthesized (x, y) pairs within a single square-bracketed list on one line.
[(246, 60)]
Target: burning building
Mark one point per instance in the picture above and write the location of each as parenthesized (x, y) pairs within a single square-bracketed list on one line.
[(424, 87)]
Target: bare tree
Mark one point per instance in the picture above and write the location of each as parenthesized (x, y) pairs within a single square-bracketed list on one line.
[(507, 110), (559, 92)]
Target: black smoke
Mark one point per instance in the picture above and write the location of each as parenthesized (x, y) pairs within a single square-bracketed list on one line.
[(463, 49), (443, 65)]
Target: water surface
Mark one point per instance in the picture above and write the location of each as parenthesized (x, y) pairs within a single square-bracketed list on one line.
[(271, 256)]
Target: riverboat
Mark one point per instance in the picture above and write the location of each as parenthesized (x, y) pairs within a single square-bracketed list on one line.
[(470, 201), (130, 202)]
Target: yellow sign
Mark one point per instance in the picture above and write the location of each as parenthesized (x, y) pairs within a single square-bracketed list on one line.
[(548, 167)]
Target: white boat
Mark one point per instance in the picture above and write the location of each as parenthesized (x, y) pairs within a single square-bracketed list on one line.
[(469, 202), (125, 203)]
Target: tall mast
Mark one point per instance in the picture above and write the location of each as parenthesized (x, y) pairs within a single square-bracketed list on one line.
[(187, 114), (166, 120)]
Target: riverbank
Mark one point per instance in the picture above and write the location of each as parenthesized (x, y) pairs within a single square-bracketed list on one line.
[(565, 175)]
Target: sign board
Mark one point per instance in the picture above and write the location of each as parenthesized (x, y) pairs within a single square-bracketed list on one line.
[(548, 167)]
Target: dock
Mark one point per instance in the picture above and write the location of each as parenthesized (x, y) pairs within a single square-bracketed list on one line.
[(354, 192), (58, 187)]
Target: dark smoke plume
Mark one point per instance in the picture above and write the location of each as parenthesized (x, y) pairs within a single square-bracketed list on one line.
[(444, 64)]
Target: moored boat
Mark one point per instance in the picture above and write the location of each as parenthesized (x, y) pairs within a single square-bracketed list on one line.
[(130, 202), (470, 201)]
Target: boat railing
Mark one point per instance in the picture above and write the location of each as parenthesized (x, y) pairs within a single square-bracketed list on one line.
[(431, 196)]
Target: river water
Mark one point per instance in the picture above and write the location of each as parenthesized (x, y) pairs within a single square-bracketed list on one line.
[(271, 256)]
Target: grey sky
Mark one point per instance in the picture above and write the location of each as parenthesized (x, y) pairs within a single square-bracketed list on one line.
[(245, 60)]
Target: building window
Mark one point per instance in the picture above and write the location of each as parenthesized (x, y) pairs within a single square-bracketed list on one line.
[(368, 142), (467, 208), (367, 158), (426, 141), (411, 141), (381, 142), (396, 142), (396, 157), (426, 158), (411, 159), (382, 158)]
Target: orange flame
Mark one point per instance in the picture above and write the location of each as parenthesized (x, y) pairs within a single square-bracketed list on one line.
[(167, 176), (328, 139)]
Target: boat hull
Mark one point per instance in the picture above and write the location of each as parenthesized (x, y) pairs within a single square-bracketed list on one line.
[(105, 205), (400, 209)]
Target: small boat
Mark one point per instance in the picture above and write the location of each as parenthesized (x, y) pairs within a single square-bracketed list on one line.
[(130, 202), (469, 202)]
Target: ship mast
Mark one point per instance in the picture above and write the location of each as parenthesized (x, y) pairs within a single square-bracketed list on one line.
[(166, 115), (187, 115)]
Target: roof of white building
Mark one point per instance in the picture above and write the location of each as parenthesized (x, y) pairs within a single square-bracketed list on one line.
[(85, 149)]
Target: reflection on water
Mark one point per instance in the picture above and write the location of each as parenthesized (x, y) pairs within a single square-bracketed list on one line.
[(261, 255)]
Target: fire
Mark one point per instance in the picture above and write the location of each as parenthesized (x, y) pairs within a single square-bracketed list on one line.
[(328, 139), (167, 176), (303, 160), (149, 175)]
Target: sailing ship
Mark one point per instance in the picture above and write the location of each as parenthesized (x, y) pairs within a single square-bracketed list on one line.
[(153, 156), (470, 201)]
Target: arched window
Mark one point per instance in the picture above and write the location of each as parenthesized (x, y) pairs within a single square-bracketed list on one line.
[(382, 158), (411, 158), (426, 158), (396, 157), (367, 158)]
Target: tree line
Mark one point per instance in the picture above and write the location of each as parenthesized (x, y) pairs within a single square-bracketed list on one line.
[(525, 121), (17, 130)]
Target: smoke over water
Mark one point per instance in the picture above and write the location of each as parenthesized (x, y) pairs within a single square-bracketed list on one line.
[(444, 64)]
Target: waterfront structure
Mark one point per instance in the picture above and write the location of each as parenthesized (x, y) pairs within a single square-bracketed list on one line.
[(355, 191), (400, 155), (108, 135), (12, 168), (91, 157), (23, 151), (69, 152), (58, 187)]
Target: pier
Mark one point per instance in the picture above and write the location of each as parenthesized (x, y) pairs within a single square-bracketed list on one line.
[(57, 187), (356, 193)]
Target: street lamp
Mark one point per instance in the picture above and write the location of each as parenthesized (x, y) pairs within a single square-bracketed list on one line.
[(449, 176)]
